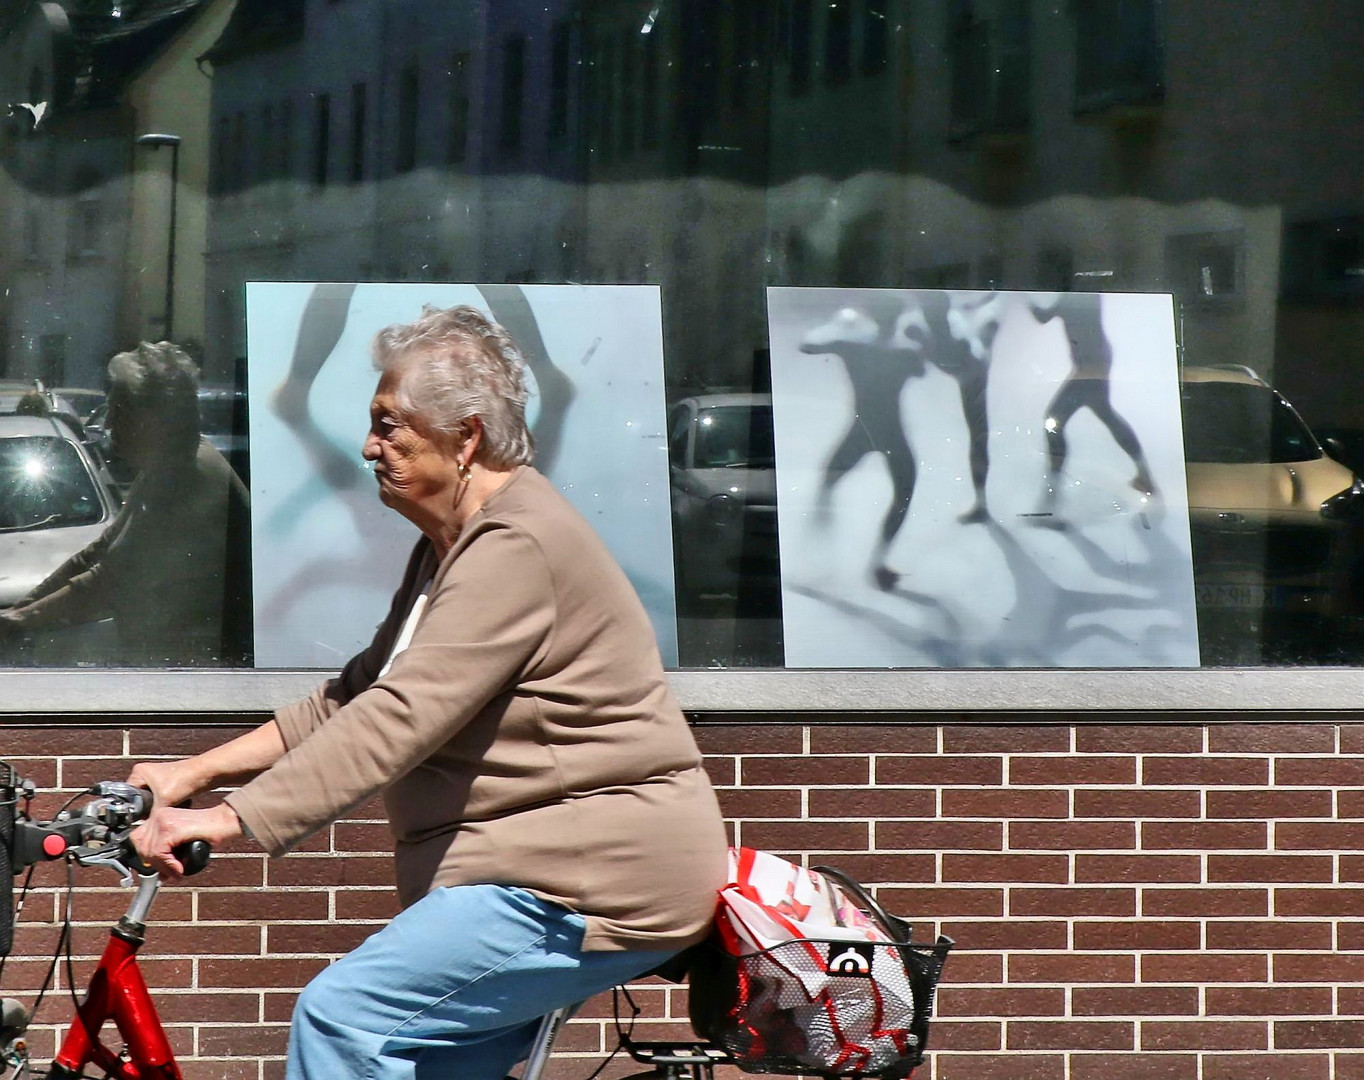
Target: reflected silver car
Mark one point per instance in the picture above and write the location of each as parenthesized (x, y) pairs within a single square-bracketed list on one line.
[(724, 493), (56, 497)]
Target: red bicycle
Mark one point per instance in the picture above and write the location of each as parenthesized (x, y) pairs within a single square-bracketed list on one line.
[(95, 835)]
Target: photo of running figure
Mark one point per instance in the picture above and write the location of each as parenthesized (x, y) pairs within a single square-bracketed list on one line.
[(594, 355), (923, 436)]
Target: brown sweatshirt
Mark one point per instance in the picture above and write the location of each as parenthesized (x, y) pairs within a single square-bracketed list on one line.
[(526, 736)]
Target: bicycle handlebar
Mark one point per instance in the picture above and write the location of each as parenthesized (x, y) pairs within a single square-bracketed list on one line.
[(97, 835)]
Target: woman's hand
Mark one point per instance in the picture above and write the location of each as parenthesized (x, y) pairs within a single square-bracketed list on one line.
[(169, 827), (171, 782)]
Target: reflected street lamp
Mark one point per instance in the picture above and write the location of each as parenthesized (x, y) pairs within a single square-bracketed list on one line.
[(156, 140)]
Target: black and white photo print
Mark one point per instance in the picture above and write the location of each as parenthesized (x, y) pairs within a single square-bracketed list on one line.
[(980, 479)]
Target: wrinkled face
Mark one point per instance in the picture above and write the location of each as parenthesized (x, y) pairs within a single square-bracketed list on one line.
[(416, 469)]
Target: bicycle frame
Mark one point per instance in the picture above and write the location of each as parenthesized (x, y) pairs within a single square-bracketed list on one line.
[(118, 992)]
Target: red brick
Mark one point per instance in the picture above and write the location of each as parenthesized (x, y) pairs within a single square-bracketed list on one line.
[(1349, 1001), (949, 1034), (1204, 967), (1008, 934), (1003, 739), (1204, 835), (1185, 771), (1268, 934), (1351, 868), (940, 835), (1349, 936), (1276, 1066), (888, 867), (868, 802), (975, 967), (1319, 836), (329, 938), (1134, 1001), (210, 1069), (946, 902), (1268, 869), (334, 870), (1001, 1001), (257, 1040), (789, 836), (1351, 738), (1204, 903), (266, 971), (232, 872), (1317, 901), (1072, 968), (176, 741), (1072, 769), (1203, 1035), (1268, 1001), (1319, 772), (1071, 835), (203, 1008), (1338, 967), (369, 904), (1271, 738), (999, 1067), (1005, 868), (1138, 934), (1138, 739), (201, 940), (896, 738), (1067, 901), (1005, 803), (1069, 1035), (278, 1007), (1350, 804), (1138, 869), (1130, 803), (1319, 1034), (723, 771), (1230, 804), (770, 802), (940, 770), (225, 905), (347, 836), (60, 740), (1133, 1066), (749, 738), (817, 771)]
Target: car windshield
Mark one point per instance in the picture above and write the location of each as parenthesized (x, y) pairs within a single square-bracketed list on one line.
[(734, 437), (45, 484), (1243, 424)]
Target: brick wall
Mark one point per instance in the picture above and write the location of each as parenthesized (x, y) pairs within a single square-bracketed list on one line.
[(1139, 900)]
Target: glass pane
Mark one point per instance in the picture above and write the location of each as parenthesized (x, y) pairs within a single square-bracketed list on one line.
[(155, 158)]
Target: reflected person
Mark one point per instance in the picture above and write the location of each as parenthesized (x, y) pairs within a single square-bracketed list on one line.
[(172, 570)]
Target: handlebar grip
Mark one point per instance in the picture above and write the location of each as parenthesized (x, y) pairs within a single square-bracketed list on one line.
[(193, 855)]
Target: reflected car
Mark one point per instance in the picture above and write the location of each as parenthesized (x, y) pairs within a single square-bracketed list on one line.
[(1275, 520), (56, 497), (724, 494)]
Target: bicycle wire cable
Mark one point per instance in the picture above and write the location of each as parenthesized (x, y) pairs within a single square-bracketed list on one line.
[(621, 1033)]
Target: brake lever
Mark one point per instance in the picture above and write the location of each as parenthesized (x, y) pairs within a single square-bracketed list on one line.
[(109, 855)]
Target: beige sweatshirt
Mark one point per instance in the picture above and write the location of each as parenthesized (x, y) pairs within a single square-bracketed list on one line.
[(526, 736)]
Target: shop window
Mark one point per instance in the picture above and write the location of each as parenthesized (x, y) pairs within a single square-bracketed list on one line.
[(560, 45), (875, 37), (322, 138), (802, 45), (513, 93), (52, 359), (990, 61), (629, 100), (459, 108), (648, 96), (1119, 53), (83, 228), (265, 151), (409, 102), (1207, 270), (358, 109), (838, 35)]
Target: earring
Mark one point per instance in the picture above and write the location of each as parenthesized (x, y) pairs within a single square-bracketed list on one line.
[(463, 471)]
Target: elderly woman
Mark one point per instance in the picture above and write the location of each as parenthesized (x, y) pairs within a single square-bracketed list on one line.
[(555, 831), (182, 537)]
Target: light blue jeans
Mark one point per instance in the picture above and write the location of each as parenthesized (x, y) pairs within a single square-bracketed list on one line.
[(452, 988)]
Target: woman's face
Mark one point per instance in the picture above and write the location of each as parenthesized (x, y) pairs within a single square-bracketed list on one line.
[(416, 469)]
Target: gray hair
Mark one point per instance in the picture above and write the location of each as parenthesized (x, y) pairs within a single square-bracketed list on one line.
[(455, 364), (162, 384)]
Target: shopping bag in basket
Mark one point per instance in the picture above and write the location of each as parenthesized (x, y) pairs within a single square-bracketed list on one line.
[(807, 973)]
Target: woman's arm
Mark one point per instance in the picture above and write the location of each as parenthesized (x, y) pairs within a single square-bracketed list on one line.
[(234, 762)]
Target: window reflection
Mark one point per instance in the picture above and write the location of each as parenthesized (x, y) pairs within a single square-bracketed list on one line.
[(716, 148)]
